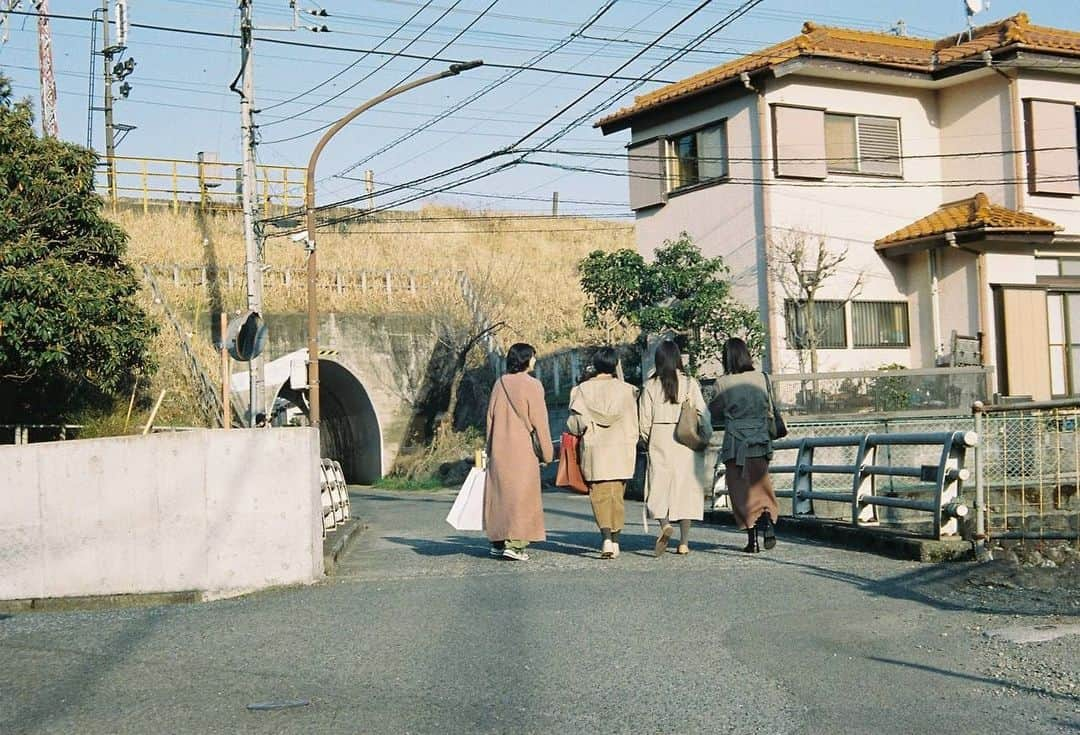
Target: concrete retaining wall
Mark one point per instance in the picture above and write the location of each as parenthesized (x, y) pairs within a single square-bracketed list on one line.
[(219, 512)]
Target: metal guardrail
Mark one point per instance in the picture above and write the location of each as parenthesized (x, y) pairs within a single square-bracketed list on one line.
[(941, 481), (336, 508), (206, 183)]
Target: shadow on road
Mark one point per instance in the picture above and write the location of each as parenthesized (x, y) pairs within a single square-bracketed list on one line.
[(979, 679), (947, 587)]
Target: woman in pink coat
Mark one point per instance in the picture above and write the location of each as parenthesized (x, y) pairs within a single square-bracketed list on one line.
[(513, 513)]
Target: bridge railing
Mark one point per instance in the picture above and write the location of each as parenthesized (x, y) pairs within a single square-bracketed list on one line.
[(933, 488), (204, 182)]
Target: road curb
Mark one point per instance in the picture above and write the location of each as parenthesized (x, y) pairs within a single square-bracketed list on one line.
[(883, 541), (99, 602), (337, 542)]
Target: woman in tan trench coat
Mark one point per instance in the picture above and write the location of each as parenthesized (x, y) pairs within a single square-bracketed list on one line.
[(513, 513), (603, 412), (677, 476), (743, 400)]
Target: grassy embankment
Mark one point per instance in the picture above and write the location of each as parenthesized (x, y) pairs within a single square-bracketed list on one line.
[(525, 270)]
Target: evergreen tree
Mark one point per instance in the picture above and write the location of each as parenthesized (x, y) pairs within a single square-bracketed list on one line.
[(72, 335)]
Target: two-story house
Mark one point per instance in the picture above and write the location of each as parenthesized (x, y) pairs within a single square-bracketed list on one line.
[(947, 169)]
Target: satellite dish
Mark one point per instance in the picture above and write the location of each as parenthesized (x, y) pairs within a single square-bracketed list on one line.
[(974, 6)]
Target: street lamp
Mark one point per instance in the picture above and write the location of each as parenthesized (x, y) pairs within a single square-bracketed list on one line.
[(309, 204)]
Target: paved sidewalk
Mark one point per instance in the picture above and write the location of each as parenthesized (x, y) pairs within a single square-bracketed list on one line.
[(421, 632)]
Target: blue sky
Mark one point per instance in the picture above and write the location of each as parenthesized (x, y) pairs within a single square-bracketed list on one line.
[(181, 104)]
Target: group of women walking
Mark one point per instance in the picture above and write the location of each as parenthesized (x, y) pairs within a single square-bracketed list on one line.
[(611, 419)]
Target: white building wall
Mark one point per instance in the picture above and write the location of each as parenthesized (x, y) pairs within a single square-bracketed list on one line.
[(721, 218), (853, 211), (975, 116), (1061, 209)]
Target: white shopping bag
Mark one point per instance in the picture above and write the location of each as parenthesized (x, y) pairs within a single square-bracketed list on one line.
[(467, 513)]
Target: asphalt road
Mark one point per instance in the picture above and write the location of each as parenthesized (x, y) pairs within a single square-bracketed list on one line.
[(421, 632)]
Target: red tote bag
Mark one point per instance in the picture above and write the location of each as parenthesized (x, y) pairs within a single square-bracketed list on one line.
[(569, 474)]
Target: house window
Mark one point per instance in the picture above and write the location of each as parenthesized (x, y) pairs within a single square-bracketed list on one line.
[(829, 324), (879, 324), (862, 144), (697, 156)]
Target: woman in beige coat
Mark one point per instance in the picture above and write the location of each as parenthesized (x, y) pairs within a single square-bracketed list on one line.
[(677, 476), (513, 513), (743, 400), (603, 412)]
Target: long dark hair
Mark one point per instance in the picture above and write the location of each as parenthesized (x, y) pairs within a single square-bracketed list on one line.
[(668, 366), (736, 357)]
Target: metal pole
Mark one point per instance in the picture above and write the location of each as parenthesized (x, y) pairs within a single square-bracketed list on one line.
[(110, 140), (980, 481), (226, 377), (252, 260), (309, 204)]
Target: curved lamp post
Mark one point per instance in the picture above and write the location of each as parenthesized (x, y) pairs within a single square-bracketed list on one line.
[(309, 205)]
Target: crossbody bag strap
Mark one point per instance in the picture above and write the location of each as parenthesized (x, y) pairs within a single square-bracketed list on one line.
[(528, 426)]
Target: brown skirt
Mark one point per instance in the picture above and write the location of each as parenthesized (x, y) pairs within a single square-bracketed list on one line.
[(752, 494)]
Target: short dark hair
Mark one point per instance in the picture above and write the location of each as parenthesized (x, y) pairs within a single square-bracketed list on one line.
[(518, 357), (668, 366), (736, 357), (606, 360)]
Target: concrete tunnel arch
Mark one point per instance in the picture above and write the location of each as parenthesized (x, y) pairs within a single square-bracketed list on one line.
[(350, 430)]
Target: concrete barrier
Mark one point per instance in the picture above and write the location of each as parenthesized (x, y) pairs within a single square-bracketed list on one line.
[(219, 512)]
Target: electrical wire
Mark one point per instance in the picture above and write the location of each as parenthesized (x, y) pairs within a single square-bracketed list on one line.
[(351, 66), (482, 92), (354, 85)]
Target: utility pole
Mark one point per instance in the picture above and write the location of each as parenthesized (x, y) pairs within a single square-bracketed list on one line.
[(107, 52), (253, 256), (49, 126)]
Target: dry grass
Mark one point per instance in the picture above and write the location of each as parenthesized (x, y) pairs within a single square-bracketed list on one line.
[(524, 268)]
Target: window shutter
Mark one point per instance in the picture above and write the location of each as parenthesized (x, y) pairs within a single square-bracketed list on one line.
[(799, 136), (1051, 142), (879, 146), (646, 165)]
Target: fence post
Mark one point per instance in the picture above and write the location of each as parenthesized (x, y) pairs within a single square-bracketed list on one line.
[(363, 282), (337, 275), (575, 366), (389, 286), (803, 481), (980, 487), (864, 482), (145, 188), (555, 374), (175, 191)]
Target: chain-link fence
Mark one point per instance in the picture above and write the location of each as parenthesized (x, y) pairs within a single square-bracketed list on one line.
[(1026, 470)]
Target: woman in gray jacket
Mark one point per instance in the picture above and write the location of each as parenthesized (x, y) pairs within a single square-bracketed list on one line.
[(743, 400), (603, 412)]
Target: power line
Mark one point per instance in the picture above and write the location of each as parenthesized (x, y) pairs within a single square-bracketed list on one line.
[(484, 91), (352, 86), (326, 81), (729, 18)]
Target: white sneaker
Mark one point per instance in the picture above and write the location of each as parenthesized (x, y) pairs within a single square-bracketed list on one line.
[(514, 554), (607, 549), (614, 550)]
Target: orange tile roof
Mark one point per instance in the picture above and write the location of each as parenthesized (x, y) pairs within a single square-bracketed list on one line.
[(969, 214), (877, 49)]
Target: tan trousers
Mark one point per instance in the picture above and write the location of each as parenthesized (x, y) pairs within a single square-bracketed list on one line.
[(606, 497)]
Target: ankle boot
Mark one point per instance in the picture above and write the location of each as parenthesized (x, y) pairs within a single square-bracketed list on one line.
[(766, 529), (751, 541)]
